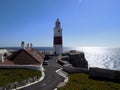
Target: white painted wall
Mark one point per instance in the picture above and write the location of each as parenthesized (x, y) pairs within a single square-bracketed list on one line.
[(34, 67), (58, 49), (3, 51), (1, 58), (57, 32)]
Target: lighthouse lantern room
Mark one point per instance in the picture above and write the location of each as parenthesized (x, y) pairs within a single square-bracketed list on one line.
[(58, 38)]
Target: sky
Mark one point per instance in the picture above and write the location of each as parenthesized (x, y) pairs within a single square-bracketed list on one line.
[(84, 22)]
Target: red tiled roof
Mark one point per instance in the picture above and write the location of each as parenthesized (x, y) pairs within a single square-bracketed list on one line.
[(35, 54), (26, 56)]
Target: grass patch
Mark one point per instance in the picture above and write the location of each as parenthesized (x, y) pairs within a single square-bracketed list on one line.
[(82, 82), (13, 75)]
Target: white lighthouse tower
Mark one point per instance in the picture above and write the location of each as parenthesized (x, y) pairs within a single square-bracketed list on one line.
[(58, 38)]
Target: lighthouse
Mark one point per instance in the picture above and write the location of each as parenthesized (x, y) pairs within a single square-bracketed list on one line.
[(58, 38)]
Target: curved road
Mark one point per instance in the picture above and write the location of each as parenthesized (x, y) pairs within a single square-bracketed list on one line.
[(51, 80)]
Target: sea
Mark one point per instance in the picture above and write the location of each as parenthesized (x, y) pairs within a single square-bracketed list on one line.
[(102, 57)]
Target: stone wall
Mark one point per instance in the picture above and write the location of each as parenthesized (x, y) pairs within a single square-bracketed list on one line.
[(69, 69), (37, 67), (95, 73), (77, 59), (104, 74), (101, 73)]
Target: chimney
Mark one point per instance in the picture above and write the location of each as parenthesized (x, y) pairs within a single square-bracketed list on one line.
[(31, 45), (28, 46), (22, 45)]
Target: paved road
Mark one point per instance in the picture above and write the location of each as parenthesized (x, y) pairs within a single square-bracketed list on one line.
[(51, 80)]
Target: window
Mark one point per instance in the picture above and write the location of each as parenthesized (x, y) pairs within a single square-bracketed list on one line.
[(58, 30)]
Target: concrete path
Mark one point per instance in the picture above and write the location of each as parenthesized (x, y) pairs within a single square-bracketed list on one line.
[(51, 80)]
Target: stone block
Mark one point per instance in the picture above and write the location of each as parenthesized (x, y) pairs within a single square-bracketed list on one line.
[(101, 73)]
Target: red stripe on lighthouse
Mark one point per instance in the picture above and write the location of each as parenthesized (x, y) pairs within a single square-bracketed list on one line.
[(58, 40)]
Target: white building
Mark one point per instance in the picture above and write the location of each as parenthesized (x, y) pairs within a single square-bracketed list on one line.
[(58, 38), (2, 52)]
